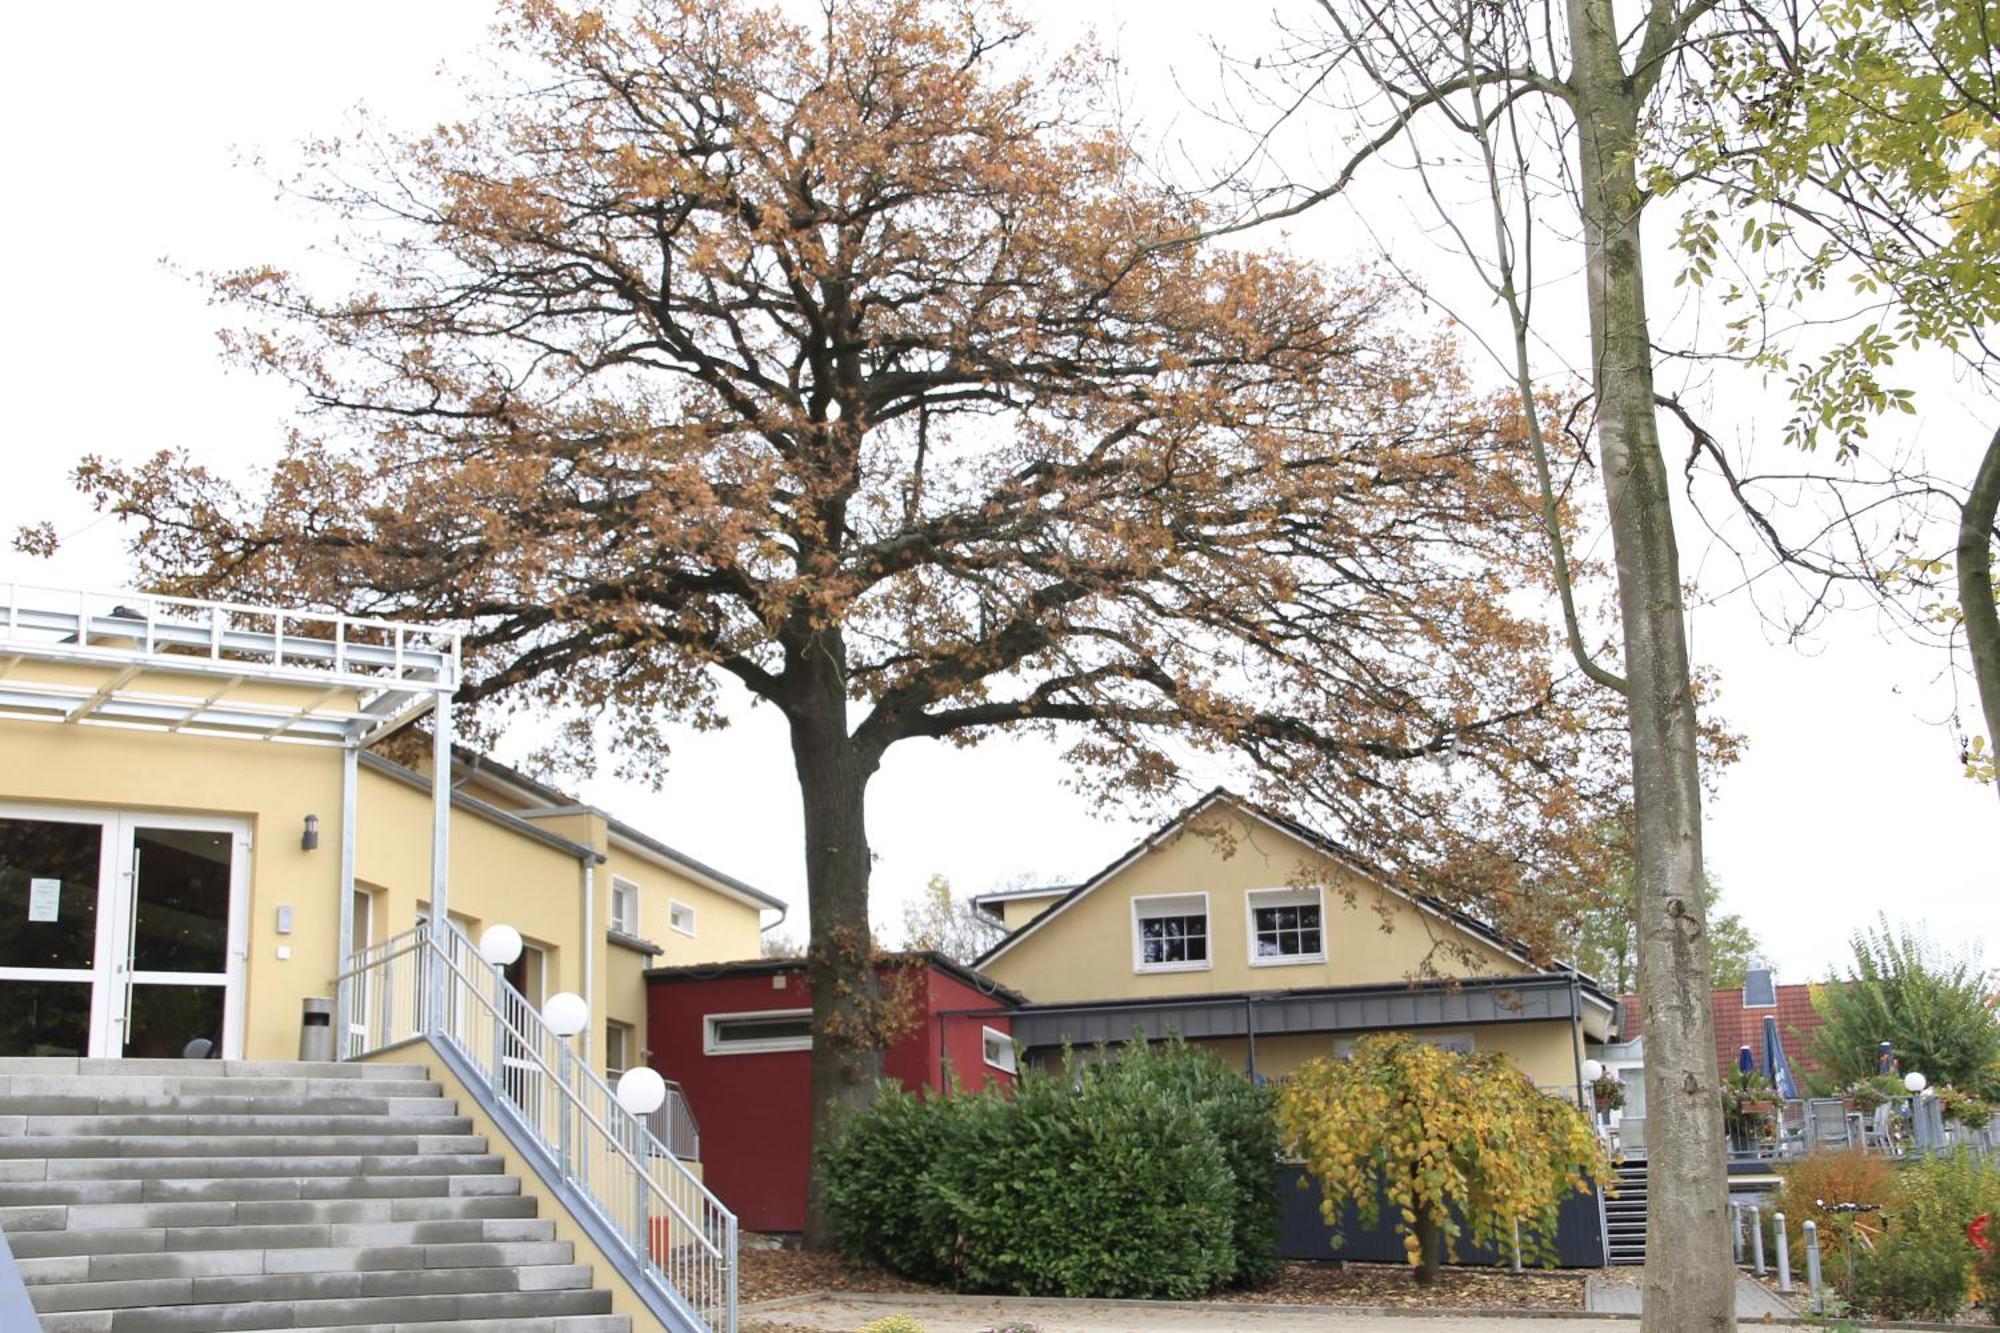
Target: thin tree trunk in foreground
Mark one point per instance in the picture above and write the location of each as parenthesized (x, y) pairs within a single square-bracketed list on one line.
[(1687, 1187), (1975, 587)]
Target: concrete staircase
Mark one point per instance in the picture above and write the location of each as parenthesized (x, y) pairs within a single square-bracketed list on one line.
[(170, 1196), (1625, 1214)]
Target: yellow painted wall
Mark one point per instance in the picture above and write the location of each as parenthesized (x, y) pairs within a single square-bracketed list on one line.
[(1018, 912), (1540, 1049), (496, 874), (1085, 952), (274, 787)]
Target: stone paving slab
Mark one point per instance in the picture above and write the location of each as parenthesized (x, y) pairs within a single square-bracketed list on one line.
[(842, 1313), (1753, 1301)]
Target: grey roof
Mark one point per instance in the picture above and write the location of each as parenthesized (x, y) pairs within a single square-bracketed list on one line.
[(473, 805)]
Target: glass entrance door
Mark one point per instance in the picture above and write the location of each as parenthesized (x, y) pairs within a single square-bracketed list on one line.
[(120, 934)]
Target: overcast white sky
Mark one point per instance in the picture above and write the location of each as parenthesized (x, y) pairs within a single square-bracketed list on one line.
[(123, 134)]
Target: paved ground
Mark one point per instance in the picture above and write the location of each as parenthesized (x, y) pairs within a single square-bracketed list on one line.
[(1753, 1301), (970, 1314)]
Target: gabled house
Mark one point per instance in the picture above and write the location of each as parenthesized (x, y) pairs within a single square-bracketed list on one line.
[(1250, 934)]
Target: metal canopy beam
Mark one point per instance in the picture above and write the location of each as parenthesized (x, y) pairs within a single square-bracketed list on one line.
[(369, 676)]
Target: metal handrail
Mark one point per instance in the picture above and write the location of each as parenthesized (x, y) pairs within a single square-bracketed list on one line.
[(431, 981)]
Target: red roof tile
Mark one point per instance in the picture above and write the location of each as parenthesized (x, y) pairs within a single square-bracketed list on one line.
[(1737, 1026)]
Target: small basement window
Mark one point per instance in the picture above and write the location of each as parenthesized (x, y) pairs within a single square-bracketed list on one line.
[(1170, 934), (757, 1033), (624, 906), (998, 1048), (680, 916)]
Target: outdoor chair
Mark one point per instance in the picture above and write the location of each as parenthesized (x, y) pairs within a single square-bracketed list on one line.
[(1879, 1131), (1793, 1127), (1827, 1124)]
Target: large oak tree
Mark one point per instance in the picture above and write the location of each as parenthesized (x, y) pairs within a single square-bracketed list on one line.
[(843, 365)]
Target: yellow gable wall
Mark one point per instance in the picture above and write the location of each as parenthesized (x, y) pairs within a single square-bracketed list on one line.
[(273, 787), (497, 874), (1018, 912), (1543, 1050), (1085, 951)]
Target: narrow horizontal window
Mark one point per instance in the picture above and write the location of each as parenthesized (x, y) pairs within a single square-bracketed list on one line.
[(749, 1034), (999, 1049)]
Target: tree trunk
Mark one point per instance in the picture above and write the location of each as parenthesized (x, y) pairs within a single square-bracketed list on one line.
[(833, 784), (1430, 1245), (1687, 1190), (1975, 588)]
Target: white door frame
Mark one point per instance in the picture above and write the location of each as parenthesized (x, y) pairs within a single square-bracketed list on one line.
[(115, 916)]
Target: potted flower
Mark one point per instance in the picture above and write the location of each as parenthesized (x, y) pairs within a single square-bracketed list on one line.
[(1608, 1091), (1964, 1108), (1748, 1111)]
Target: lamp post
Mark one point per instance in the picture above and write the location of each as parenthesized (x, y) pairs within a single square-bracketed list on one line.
[(566, 1014)]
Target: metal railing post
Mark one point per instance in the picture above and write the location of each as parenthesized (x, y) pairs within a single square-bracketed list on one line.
[(1784, 1252), (1735, 1232), (1812, 1264), (1757, 1240)]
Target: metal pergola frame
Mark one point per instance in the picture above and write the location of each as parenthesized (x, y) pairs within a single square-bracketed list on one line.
[(363, 677)]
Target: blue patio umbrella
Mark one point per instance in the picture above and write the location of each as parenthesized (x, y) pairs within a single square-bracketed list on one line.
[(1745, 1062), (1777, 1068)]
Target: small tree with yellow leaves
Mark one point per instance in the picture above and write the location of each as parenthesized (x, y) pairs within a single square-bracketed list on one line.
[(1462, 1145)]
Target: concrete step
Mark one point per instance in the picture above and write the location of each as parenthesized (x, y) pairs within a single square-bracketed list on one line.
[(294, 1235), (377, 1312), (72, 1067), (230, 1145), (251, 1288), (161, 1168), (205, 1189), (588, 1323), (96, 1086), (232, 1263), (34, 1126), (225, 1213), (232, 1103)]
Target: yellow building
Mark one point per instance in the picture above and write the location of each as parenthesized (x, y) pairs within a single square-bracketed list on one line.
[(196, 829), (1248, 933)]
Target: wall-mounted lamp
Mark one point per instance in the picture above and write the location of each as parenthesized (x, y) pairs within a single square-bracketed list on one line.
[(310, 840)]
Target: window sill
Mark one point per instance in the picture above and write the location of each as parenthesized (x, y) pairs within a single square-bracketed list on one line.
[(1143, 968), (634, 943), (1291, 960)]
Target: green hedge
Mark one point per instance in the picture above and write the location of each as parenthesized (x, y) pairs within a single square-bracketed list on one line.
[(1151, 1172)]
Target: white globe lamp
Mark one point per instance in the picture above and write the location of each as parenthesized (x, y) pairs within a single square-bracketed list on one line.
[(641, 1090), (1593, 1070), (500, 945), (566, 1013), (1915, 1081)]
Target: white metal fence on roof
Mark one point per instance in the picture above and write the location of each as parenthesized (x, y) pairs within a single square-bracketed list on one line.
[(358, 675), (431, 980)]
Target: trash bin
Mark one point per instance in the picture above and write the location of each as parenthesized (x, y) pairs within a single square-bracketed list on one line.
[(316, 1029)]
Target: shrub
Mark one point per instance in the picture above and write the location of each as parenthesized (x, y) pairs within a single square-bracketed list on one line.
[(1241, 1117), (1143, 1174), (1986, 1268), (895, 1323), (1462, 1146), (1848, 1176), (1910, 1275)]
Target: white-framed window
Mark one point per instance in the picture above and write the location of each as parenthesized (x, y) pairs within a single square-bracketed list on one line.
[(624, 906), (998, 1048), (1170, 933), (756, 1033), (1285, 926), (620, 1049), (680, 916), (1461, 1042)]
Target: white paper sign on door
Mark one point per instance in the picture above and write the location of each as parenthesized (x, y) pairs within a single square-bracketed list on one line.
[(44, 899)]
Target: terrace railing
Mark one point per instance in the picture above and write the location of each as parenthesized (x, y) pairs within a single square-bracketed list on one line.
[(431, 981)]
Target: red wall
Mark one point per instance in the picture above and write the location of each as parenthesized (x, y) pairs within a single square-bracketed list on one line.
[(754, 1109)]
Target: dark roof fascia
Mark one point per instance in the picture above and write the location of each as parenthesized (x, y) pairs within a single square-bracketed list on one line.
[(562, 802), (1536, 981), (474, 806), (1492, 1002), (751, 967)]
